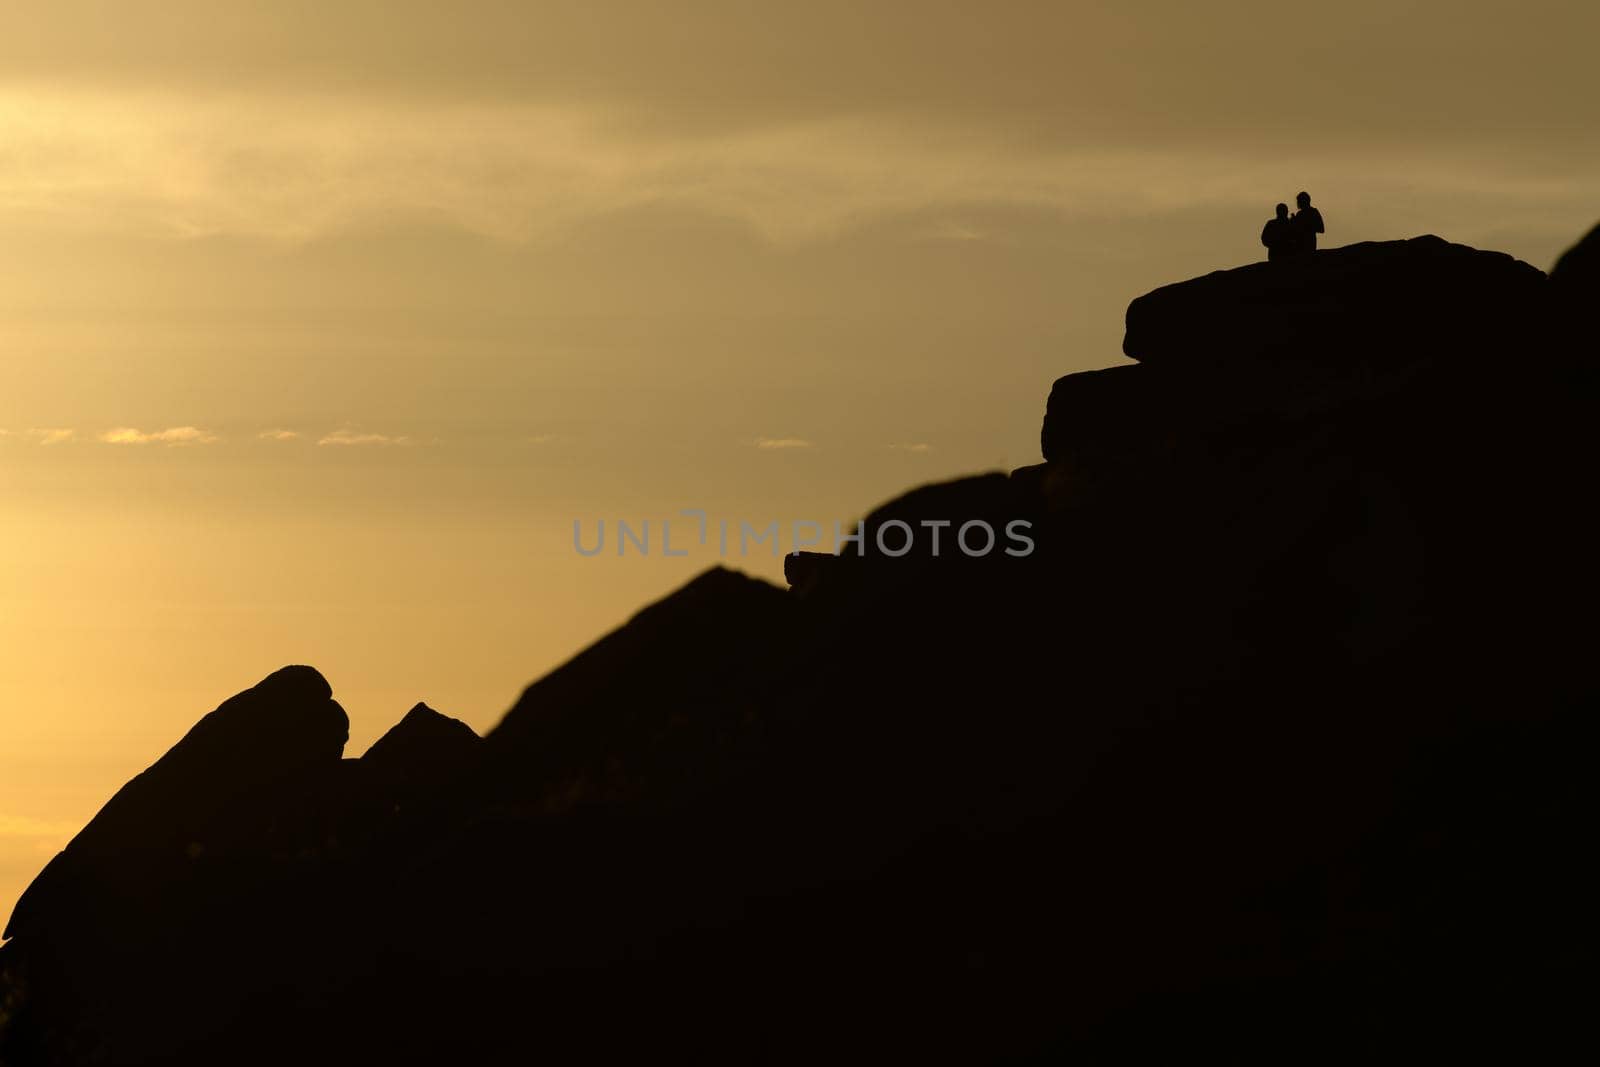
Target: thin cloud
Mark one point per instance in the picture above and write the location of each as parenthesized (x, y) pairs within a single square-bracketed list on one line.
[(172, 435), (955, 231), (917, 446), (350, 438), (778, 443), (43, 435), (541, 438), (278, 435)]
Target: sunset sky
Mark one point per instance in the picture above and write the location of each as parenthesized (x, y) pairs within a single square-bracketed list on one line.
[(321, 323)]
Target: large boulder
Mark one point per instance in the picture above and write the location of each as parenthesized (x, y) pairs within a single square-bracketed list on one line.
[(1154, 408), (641, 703), (187, 804), (1387, 301), (921, 536), (154, 904), (1107, 407)]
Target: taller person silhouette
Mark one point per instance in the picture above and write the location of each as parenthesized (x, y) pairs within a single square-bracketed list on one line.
[(1306, 224)]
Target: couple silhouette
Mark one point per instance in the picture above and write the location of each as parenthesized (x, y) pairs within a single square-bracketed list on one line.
[(1288, 235)]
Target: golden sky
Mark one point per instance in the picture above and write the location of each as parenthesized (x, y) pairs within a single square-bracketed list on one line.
[(320, 323)]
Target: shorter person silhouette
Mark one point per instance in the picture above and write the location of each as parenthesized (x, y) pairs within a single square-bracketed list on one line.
[(1306, 224), (1278, 234)]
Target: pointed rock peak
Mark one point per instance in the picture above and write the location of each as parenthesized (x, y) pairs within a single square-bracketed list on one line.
[(718, 581), (718, 625), (1580, 264), (423, 742), (420, 712), (422, 723)]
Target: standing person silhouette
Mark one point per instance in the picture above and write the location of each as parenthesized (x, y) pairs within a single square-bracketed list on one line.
[(1278, 234), (1307, 224)]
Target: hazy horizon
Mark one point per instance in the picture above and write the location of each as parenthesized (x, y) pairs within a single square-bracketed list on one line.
[(321, 327)]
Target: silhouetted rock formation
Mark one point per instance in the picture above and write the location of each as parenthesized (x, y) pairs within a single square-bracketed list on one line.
[(167, 818), (1578, 269), (1382, 300), (178, 855), (422, 748), (1273, 747), (1575, 280), (647, 700), (1108, 408)]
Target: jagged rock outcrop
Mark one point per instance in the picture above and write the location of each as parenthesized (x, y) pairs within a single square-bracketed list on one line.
[(1277, 732), (421, 750), (1578, 269), (1575, 282)]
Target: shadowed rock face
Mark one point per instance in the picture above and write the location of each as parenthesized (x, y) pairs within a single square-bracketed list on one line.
[(648, 702), (1575, 280), (1107, 408), (172, 876), (151, 832), (1578, 269), (1300, 337), (1381, 300), (1276, 741), (422, 748)]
